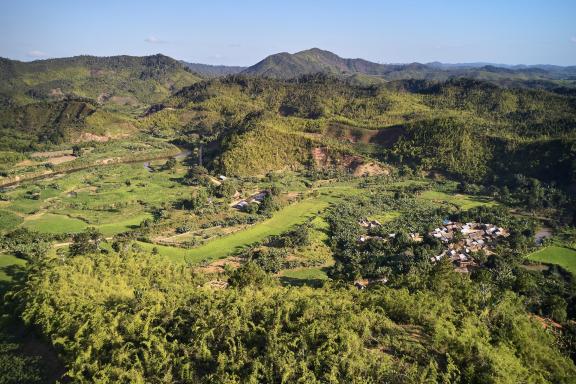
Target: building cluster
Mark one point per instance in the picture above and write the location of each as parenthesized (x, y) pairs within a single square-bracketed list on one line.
[(462, 240), (256, 198)]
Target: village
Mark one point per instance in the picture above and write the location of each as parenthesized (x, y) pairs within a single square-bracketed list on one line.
[(461, 240)]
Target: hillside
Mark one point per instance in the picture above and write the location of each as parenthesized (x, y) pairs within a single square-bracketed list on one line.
[(463, 127), (116, 80)]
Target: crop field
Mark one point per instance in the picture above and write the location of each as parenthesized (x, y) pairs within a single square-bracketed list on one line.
[(464, 202), (54, 223), (564, 257), (287, 217), (114, 199)]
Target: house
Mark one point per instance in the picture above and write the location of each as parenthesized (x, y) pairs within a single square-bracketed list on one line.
[(241, 205)]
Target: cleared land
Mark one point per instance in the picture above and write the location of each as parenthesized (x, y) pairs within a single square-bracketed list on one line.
[(462, 201), (564, 257)]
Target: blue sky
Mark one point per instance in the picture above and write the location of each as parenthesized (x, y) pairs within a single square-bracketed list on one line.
[(244, 32)]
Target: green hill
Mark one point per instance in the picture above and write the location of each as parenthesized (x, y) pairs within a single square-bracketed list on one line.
[(462, 127), (120, 80)]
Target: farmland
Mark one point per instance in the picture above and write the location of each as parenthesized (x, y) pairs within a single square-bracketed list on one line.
[(564, 257)]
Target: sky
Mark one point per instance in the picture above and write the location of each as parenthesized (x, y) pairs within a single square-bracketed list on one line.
[(244, 32)]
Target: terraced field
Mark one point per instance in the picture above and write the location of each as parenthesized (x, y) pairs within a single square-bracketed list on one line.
[(564, 257), (281, 221)]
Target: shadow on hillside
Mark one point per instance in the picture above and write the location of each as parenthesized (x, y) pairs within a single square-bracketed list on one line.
[(294, 282)]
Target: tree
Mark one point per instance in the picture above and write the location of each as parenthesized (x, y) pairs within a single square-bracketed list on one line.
[(248, 275), (169, 164), (26, 244), (198, 199), (86, 242), (268, 204), (77, 151), (197, 175), (226, 190)]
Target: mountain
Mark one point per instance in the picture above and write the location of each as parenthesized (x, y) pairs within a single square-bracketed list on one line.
[(120, 80), (286, 66), (209, 71)]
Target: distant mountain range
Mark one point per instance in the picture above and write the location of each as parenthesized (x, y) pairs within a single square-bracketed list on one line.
[(285, 66), (207, 70), (140, 81)]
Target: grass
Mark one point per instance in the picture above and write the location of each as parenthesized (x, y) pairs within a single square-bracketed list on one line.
[(463, 202), (282, 220), (386, 216), (306, 274), (53, 223), (564, 257), (7, 261), (175, 254), (122, 225), (9, 220)]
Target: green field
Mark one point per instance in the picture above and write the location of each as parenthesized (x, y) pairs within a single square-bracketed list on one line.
[(53, 223), (464, 202), (282, 220), (564, 257), (7, 261), (9, 220)]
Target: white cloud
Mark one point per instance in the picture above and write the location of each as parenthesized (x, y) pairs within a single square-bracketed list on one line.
[(573, 39), (36, 53), (154, 40)]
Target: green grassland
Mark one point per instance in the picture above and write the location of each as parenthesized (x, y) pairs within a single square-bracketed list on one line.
[(564, 257), (53, 223), (7, 261)]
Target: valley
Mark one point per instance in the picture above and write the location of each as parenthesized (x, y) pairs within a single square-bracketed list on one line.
[(306, 219)]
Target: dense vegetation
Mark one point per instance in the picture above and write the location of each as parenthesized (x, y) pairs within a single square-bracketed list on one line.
[(134, 318), (237, 261)]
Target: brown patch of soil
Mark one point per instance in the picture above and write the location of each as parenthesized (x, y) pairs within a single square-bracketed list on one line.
[(354, 164), (56, 92), (383, 136), (218, 265), (50, 154), (87, 136), (25, 163), (124, 100), (370, 169), (61, 159)]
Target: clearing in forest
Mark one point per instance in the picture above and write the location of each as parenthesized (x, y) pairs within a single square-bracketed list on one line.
[(564, 257)]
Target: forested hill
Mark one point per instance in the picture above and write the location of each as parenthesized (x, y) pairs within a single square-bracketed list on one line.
[(286, 66), (471, 129), (122, 80), (207, 70)]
